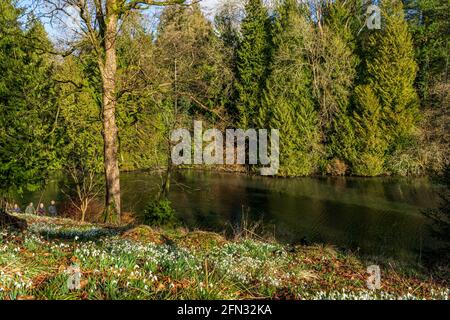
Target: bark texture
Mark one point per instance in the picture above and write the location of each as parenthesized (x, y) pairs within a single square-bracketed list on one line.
[(110, 131)]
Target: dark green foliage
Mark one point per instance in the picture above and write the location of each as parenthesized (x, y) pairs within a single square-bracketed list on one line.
[(429, 22), (287, 104), (336, 62), (227, 24), (27, 104), (343, 142), (252, 60), (191, 62), (138, 117), (159, 212)]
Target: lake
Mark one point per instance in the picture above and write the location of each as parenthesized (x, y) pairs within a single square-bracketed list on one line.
[(374, 216)]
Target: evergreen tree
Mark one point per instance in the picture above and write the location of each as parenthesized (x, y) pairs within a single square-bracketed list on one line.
[(138, 85), (27, 104), (369, 130), (227, 24), (336, 62), (288, 104), (390, 72), (429, 21), (194, 74), (252, 60)]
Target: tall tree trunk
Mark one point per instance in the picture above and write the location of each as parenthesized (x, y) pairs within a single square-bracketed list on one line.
[(110, 131)]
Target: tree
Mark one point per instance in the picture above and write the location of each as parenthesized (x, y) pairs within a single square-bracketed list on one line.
[(83, 186), (191, 61), (27, 106), (80, 127), (334, 61), (139, 80), (193, 73), (252, 60), (388, 88), (429, 21), (99, 22), (288, 103), (370, 133), (227, 22)]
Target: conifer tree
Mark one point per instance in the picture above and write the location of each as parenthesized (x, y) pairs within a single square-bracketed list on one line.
[(390, 72), (252, 59), (333, 60), (27, 105), (429, 22), (369, 130), (288, 104)]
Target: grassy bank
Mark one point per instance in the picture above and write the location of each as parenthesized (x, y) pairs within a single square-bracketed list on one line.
[(145, 263)]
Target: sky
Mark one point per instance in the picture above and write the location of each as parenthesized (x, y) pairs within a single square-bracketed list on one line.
[(55, 32), (210, 3)]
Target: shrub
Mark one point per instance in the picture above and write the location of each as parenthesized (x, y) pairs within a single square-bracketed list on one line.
[(404, 163), (159, 212), (336, 167), (368, 165)]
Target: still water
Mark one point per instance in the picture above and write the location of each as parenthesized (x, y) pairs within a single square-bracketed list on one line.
[(379, 216)]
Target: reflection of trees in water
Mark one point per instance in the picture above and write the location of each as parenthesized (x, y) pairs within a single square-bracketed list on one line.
[(377, 193), (212, 201), (299, 208), (137, 190)]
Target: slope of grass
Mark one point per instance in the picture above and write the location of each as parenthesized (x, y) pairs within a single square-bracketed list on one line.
[(146, 263)]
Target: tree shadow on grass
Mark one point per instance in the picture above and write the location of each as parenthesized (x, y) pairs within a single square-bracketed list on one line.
[(83, 234)]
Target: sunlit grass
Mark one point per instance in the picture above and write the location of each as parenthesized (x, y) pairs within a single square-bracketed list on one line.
[(145, 263)]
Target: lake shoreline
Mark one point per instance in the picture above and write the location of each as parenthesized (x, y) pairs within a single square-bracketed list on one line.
[(243, 172)]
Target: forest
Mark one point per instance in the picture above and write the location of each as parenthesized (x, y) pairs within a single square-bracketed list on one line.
[(347, 100), (91, 89)]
